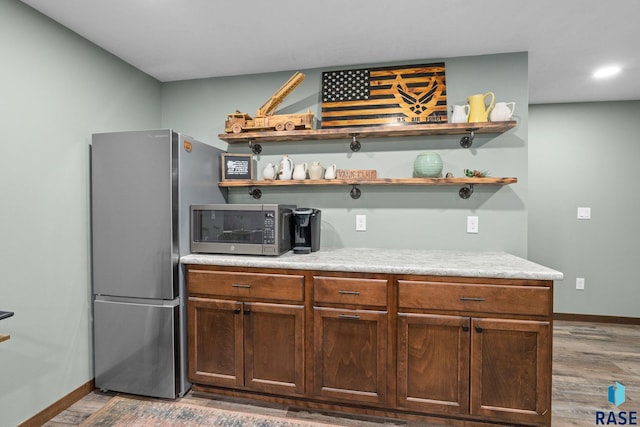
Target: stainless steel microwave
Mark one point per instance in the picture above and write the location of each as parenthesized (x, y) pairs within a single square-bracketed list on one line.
[(241, 229)]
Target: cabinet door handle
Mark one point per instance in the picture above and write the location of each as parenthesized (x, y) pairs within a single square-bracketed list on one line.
[(238, 285), (247, 311), (348, 316), (471, 299), (349, 292), (465, 329), (478, 329), (237, 311)]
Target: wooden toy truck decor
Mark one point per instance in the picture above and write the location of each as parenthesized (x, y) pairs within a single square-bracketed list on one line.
[(265, 120)]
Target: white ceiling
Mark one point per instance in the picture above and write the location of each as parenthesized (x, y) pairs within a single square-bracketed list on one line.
[(187, 39)]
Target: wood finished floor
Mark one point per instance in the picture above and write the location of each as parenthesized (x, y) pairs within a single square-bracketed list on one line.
[(587, 358)]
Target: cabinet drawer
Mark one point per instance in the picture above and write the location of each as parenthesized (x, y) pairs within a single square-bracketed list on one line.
[(355, 291), (281, 287), (530, 300)]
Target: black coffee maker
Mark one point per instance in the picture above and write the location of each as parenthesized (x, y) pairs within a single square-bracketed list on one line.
[(306, 230)]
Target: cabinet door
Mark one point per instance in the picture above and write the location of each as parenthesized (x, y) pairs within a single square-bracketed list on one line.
[(274, 348), (215, 329), (350, 349), (433, 363), (511, 370)]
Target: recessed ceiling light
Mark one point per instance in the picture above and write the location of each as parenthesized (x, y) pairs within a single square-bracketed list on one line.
[(605, 72)]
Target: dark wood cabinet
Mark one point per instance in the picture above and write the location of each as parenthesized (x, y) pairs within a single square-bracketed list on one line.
[(468, 350), (498, 368), (246, 344), (350, 348), (215, 342), (350, 325), (511, 370), (491, 368), (433, 363), (274, 348)]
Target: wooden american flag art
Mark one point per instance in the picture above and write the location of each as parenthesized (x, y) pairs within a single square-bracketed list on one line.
[(402, 95)]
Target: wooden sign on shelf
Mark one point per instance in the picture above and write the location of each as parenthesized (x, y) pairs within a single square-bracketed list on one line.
[(356, 174)]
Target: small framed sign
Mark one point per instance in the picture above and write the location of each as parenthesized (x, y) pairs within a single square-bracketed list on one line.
[(237, 166)]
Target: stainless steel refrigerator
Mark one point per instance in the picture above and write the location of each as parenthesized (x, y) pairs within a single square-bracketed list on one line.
[(142, 185)]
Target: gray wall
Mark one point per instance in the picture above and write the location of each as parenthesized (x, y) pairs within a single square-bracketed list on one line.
[(55, 90), (400, 217), (587, 155)]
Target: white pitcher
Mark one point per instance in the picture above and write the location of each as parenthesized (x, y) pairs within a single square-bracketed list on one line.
[(300, 171), (286, 168), (502, 111), (330, 172), (315, 170), (269, 171), (460, 113)]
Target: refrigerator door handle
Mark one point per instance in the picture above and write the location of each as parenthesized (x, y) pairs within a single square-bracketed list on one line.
[(139, 301)]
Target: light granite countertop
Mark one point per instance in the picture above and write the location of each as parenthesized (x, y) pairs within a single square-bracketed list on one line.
[(392, 261)]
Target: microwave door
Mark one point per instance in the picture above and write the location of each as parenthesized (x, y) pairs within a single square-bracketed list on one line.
[(224, 230)]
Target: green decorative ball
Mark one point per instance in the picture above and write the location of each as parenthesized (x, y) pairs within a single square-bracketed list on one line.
[(427, 165)]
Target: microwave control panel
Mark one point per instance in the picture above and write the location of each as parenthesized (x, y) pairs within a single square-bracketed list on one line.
[(269, 234)]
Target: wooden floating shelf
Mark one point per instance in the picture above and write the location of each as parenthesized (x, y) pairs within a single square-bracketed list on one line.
[(368, 132), (4, 337), (377, 181), (464, 192)]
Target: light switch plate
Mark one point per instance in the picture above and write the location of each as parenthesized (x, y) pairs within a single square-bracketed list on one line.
[(472, 224), (584, 213)]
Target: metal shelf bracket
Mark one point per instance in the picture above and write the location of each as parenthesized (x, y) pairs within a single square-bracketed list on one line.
[(355, 144), (255, 148), (355, 192), (466, 192), (256, 193), (466, 141)]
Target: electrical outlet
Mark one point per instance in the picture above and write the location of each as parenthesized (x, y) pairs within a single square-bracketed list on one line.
[(472, 224), (580, 283), (361, 223)]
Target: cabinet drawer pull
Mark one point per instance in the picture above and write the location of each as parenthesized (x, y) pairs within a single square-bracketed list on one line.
[(238, 285), (471, 299), (349, 292), (348, 316)]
